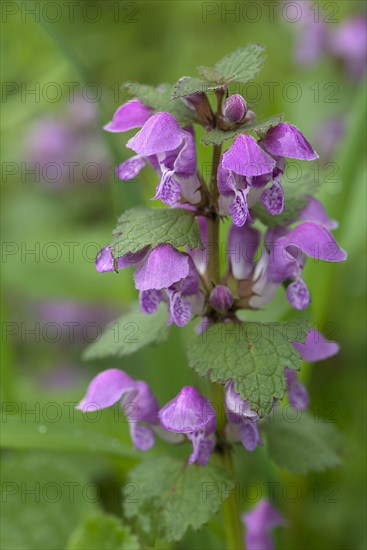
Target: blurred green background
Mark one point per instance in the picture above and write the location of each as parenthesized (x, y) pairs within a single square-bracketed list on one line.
[(52, 231)]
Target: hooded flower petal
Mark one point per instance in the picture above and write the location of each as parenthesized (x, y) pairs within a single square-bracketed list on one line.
[(188, 412), (246, 158), (185, 162), (162, 267), (132, 114), (285, 140), (316, 347), (140, 404), (309, 238), (159, 134), (315, 212), (106, 389), (259, 522)]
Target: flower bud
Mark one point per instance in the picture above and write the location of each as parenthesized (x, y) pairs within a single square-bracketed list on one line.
[(221, 298), (235, 108)]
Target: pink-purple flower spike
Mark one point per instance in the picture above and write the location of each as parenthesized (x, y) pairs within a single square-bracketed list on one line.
[(185, 275)]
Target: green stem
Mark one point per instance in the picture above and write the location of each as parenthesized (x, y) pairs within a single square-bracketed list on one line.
[(231, 514)]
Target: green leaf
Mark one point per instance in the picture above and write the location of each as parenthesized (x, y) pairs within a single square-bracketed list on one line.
[(295, 199), (44, 497), (130, 333), (243, 64), (209, 73), (103, 532), (142, 226), (160, 99), (253, 355), (181, 495), (105, 433), (300, 443), (190, 85), (216, 137)]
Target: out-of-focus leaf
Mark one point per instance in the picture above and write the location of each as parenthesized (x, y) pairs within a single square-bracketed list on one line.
[(302, 443), (68, 430), (130, 333), (103, 532), (44, 498), (180, 495)]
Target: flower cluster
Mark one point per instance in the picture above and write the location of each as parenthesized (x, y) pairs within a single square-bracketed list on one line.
[(245, 190), (191, 413)]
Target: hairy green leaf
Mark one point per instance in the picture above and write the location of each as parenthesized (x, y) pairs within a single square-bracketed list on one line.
[(102, 532), (301, 443), (142, 226), (243, 64), (209, 73), (130, 333), (160, 99), (190, 85), (180, 495), (253, 355), (295, 199), (216, 137)]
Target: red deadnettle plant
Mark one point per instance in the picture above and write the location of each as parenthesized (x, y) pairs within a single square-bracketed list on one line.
[(250, 366)]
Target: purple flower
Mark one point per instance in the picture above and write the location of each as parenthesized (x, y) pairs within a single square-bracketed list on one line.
[(200, 257), (112, 386), (287, 259), (234, 108), (259, 522), (191, 413), (285, 140), (315, 348), (315, 212), (242, 421), (311, 36), (349, 43), (221, 298), (297, 393), (171, 151), (132, 114), (243, 160), (328, 135), (162, 274), (248, 166), (241, 249)]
